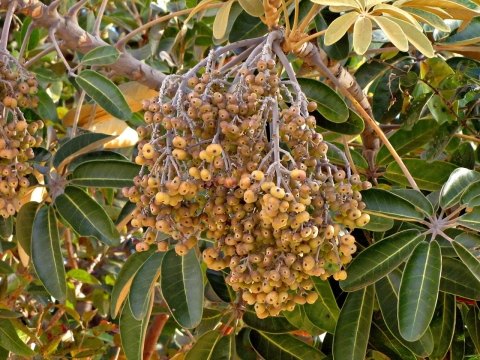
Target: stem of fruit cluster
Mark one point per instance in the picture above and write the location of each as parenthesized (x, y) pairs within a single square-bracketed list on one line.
[(6, 26)]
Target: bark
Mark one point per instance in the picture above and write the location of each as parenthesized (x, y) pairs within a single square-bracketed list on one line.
[(153, 334)]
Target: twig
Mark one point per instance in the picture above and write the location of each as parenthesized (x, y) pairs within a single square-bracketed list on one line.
[(59, 51), (467, 137), (98, 20), (29, 31), (6, 26), (70, 251), (77, 114), (39, 56), (153, 334)]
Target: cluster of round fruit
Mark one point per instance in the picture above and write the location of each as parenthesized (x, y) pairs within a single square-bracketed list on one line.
[(230, 161), (17, 137)]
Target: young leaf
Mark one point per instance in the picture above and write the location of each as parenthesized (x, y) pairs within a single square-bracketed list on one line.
[(442, 325), (458, 280), (10, 340), (379, 259), (143, 283), (271, 324), (46, 253), (419, 290), (387, 290), (79, 145), (100, 56), (132, 332), (105, 93), (182, 287), (220, 23), (122, 285), (385, 203), (467, 258), (324, 312), (455, 186), (252, 7), (105, 174), (353, 327), (282, 346), (329, 104), (362, 35), (339, 27), (86, 216)]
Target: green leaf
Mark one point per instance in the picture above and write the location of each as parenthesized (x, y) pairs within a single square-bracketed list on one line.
[(271, 324), (79, 145), (5, 268), (11, 341), (471, 220), (468, 259), (440, 139), (456, 185), (252, 7), (419, 290), (219, 286), (205, 346), (298, 318), (143, 283), (83, 276), (86, 216), (335, 158), (379, 259), (132, 333), (246, 27), (378, 223), (473, 326), (329, 104), (46, 107), (225, 348), (324, 312), (105, 93), (413, 112), (124, 279), (353, 126), (243, 346), (101, 155), (382, 340), (385, 203), (470, 195), (105, 174), (416, 198), (182, 287), (103, 55), (387, 290), (282, 346), (469, 35), (442, 325), (458, 280), (405, 141), (4, 313), (464, 156), (6, 227), (46, 253), (353, 327), (428, 176), (457, 348)]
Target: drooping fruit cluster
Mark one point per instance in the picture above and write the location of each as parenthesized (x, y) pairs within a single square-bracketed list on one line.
[(17, 136), (230, 161)]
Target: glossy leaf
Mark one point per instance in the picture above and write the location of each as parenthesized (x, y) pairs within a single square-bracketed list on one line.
[(282, 346), (271, 324), (246, 27), (428, 176), (455, 186), (385, 203), (353, 126), (105, 93), (471, 220), (353, 327), (387, 290), (473, 326), (105, 174), (101, 155), (442, 325), (379, 259), (10, 340), (25, 217), (100, 56), (86, 216), (458, 280), (329, 104), (219, 286), (416, 198), (419, 290), (123, 282), (182, 287), (324, 312), (405, 141), (132, 333), (79, 145), (381, 339), (378, 223), (469, 35), (46, 253), (143, 283), (467, 258), (470, 195)]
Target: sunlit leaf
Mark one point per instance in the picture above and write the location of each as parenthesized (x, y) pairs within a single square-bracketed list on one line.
[(455, 186), (362, 35), (221, 20), (394, 32), (339, 27)]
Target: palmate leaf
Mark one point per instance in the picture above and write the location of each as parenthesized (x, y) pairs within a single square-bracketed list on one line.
[(455, 186), (353, 327), (468, 259), (416, 37), (394, 32), (385, 203), (362, 35), (379, 259), (442, 325), (458, 280), (416, 198), (220, 23), (132, 332), (339, 27), (382, 340), (419, 290), (105, 174), (471, 220)]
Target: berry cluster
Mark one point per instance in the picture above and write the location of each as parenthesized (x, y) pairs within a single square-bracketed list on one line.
[(17, 136), (231, 161)]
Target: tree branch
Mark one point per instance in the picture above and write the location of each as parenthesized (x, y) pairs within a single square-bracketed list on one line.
[(153, 334)]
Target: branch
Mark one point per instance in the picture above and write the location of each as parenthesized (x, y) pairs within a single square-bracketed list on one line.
[(153, 334), (76, 39)]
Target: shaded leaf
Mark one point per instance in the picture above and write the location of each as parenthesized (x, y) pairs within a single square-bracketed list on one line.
[(458, 280), (246, 27), (440, 140), (382, 340), (467, 258), (83, 276), (378, 223), (271, 324), (470, 195), (46, 253), (219, 286), (469, 35), (11, 341), (103, 55), (379, 259), (182, 287), (419, 290), (105, 174), (282, 346), (442, 325), (101, 155), (353, 126), (298, 318), (324, 312), (471, 220), (132, 333), (86, 216), (5, 268), (464, 156), (413, 112), (46, 107), (385, 203), (204, 348), (353, 327), (473, 326)]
